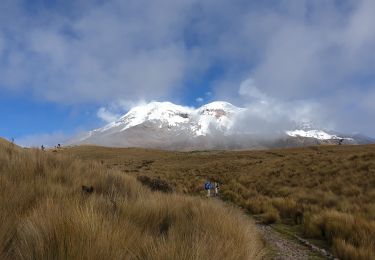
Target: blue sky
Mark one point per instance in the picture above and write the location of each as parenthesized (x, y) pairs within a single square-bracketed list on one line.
[(70, 66)]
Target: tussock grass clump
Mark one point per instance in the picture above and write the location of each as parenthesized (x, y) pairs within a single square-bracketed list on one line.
[(155, 184), (270, 215), (351, 237), (46, 215)]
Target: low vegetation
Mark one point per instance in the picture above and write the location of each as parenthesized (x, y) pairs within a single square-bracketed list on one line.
[(47, 214), (325, 192)]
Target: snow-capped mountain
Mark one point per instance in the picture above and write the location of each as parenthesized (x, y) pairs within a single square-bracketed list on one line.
[(217, 116), (169, 126)]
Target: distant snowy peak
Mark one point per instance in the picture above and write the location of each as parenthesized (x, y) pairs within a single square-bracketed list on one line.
[(218, 108), (308, 129), (165, 113), (216, 116), (317, 134)]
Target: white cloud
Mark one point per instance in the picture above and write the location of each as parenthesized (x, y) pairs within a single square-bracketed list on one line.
[(199, 100), (359, 33), (100, 52), (313, 50), (116, 109), (113, 50), (249, 90), (317, 56), (266, 115), (106, 115)]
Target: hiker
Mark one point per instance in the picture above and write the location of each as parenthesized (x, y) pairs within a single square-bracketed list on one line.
[(216, 189), (42, 147), (207, 187)]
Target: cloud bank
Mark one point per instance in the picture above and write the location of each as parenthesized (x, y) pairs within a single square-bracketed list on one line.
[(270, 116)]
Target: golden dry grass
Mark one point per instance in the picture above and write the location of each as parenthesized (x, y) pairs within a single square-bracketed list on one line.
[(45, 215), (327, 191)]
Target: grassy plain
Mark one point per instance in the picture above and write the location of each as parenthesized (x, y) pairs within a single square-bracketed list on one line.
[(325, 192), (46, 215)]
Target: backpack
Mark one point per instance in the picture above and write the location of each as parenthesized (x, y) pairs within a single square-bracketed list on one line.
[(207, 185)]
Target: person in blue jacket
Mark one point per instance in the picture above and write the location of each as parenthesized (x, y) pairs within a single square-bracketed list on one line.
[(207, 187)]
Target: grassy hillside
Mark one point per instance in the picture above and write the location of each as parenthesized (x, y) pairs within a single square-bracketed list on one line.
[(4, 142), (46, 215), (326, 193)]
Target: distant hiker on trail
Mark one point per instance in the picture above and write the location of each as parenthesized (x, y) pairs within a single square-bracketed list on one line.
[(216, 189), (42, 147), (207, 187)]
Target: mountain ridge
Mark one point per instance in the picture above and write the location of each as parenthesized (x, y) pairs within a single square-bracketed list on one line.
[(212, 126)]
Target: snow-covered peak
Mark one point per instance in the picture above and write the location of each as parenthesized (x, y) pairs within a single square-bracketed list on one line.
[(164, 112), (217, 116), (317, 134), (219, 105), (218, 108), (158, 109)]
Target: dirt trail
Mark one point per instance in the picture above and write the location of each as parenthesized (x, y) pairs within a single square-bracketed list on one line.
[(282, 248)]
